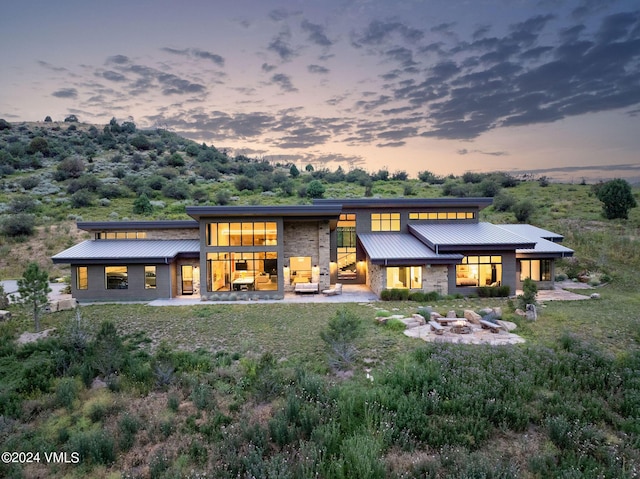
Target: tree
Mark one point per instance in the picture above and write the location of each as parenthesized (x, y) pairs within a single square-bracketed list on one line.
[(33, 290), (294, 172), (71, 119), (142, 205), (315, 189), (617, 199), (342, 331)]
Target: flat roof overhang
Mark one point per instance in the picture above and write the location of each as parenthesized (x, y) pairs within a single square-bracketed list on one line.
[(373, 203), (136, 225), (287, 212)]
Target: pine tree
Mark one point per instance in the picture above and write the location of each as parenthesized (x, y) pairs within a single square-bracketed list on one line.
[(33, 290)]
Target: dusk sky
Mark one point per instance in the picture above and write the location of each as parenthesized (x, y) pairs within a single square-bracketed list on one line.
[(546, 86)]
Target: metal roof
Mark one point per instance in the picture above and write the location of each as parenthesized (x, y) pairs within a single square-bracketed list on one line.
[(532, 232), (546, 241), (133, 251), (401, 248), (463, 236)]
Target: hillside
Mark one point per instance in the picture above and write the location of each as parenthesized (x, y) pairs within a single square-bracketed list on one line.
[(55, 173)]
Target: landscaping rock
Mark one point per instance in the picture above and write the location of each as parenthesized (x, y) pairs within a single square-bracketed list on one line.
[(435, 315), (595, 296), (472, 316), (32, 337), (507, 325), (420, 319), (5, 315), (520, 312), (410, 322), (98, 384), (497, 311), (451, 314), (531, 313)]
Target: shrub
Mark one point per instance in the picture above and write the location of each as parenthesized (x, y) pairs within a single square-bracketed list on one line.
[(15, 226), (523, 210), (503, 202), (81, 199), (66, 392), (71, 167), (315, 189), (395, 324), (96, 447), (494, 291), (422, 297), (395, 294), (30, 182), (528, 296), (128, 427), (343, 328), (617, 199)]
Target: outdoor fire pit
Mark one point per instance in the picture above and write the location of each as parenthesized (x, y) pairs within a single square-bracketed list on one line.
[(460, 327)]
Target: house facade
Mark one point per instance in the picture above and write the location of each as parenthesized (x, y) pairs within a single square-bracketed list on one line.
[(262, 252)]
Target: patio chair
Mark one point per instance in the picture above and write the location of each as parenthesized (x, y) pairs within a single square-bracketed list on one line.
[(337, 289)]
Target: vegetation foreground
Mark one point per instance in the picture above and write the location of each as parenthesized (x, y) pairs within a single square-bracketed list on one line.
[(247, 391)]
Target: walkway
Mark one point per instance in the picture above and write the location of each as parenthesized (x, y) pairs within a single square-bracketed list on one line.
[(353, 293)]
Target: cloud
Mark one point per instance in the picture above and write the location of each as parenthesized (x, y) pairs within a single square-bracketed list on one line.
[(317, 69), (197, 53), (316, 33), (113, 76), (464, 151), (378, 32), (66, 93), (118, 59), (284, 82), (280, 45), (268, 68)]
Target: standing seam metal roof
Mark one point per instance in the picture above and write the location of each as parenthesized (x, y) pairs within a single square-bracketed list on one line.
[(455, 235), (396, 247), (149, 250)]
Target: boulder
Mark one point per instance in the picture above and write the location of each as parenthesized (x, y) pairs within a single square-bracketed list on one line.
[(595, 296), (472, 316), (531, 313), (420, 319), (451, 314), (5, 315), (410, 322), (435, 315), (506, 325), (520, 312), (497, 311)]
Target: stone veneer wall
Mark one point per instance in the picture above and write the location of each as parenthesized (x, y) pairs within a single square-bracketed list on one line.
[(308, 238), (436, 278), (375, 277)]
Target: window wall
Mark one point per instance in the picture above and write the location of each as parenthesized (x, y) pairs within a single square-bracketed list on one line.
[(385, 221), (246, 233), (242, 271), (346, 246), (404, 277), (536, 269), (121, 235), (479, 271)]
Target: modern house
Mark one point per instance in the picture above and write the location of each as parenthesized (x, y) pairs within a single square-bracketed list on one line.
[(241, 252)]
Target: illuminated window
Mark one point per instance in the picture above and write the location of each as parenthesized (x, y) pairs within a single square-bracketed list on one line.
[(149, 277), (116, 277), (536, 269), (82, 277), (346, 246), (443, 215), (404, 277), (242, 271), (247, 233), (479, 271), (121, 235), (385, 221)]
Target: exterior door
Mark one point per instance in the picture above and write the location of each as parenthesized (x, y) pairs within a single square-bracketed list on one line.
[(187, 279)]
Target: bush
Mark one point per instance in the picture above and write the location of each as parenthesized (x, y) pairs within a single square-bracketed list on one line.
[(395, 294), (315, 189), (422, 297), (343, 328), (617, 199), (15, 226), (494, 291), (81, 199), (71, 167), (66, 392), (523, 210), (528, 296)]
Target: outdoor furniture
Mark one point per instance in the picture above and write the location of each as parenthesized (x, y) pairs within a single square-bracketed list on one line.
[(436, 327), (306, 288), (495, 328), (446, 321), (243, 283), (337, 289)]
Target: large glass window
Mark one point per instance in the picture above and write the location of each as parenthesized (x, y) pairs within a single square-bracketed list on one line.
[(404, 277), (116, 277), (300, 267), (443, 215), (385, 221), (536, 269), (246, 233), (121, 235), (82, 277), (242, 271), (479, 271), (149, 277), (346, 246)]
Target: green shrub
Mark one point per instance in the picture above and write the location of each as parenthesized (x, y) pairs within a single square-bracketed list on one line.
[(128, 427), (21, 224), (494, 291), (94, 447), (395, 325), (395, 294), (66, 392)]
